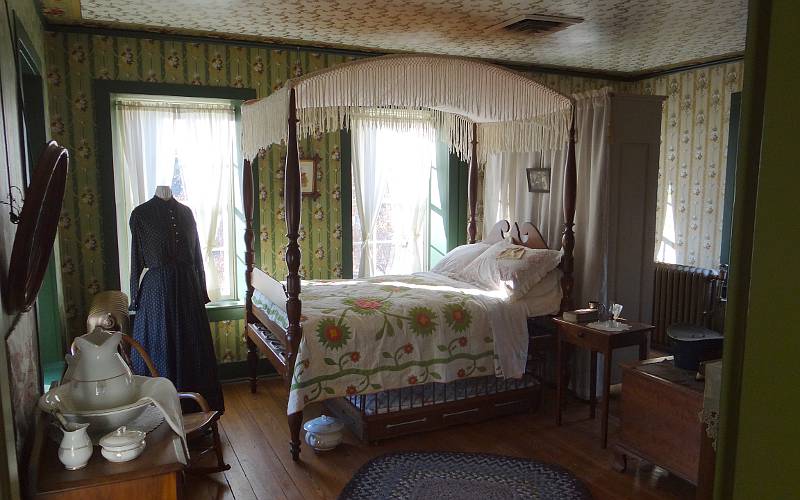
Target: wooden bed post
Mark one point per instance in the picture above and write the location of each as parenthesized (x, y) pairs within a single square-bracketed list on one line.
[(249, 259), (472, 187), (292, 198), (568, 238)]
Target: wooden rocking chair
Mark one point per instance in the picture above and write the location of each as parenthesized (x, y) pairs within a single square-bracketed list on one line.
[(196, 425)]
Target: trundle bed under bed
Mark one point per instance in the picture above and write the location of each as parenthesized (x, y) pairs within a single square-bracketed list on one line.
[(399, 354)]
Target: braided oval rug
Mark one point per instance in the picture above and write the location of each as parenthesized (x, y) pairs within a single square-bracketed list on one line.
[(462, 476)]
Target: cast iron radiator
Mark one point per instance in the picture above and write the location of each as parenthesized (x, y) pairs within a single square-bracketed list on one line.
[(683, 294)]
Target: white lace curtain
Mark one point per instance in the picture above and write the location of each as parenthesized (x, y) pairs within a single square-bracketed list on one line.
[(506, 194), (192, 148), (391, 172)]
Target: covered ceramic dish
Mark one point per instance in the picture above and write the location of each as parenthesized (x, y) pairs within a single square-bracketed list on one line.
[(98, 377), (323, 433), (122, 445)]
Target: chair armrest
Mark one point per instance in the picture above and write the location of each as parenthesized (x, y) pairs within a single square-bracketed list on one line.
[(197, 398)]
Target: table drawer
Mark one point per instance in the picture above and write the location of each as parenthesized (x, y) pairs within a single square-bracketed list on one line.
[(581, 338)]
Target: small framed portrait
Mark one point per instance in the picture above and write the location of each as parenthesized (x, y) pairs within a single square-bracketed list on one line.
[(308, 176), (538, 180)]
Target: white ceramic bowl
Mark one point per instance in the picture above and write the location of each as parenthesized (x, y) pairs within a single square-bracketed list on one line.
[(323, 433), (123, 444), (123, 454), (108, 420), (59, 399)]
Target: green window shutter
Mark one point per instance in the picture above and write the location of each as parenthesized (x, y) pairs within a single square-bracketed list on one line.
[(447, 227)]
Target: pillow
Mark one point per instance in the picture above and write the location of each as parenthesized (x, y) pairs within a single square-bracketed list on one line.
[(544, 297), (458, 258), (514, 268)]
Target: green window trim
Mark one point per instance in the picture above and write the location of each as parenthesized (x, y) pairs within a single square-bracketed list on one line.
[(102, 91)]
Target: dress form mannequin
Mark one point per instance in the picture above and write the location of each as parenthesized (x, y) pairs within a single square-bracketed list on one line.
[(164, 192), (170, 297)]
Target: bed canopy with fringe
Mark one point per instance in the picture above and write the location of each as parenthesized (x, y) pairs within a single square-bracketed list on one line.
[(476, 108), (512, 112)]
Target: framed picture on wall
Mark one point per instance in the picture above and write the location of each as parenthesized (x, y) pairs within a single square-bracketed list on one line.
[(308, 176), (538, 180)]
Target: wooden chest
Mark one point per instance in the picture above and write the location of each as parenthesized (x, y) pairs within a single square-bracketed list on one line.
[(660, 420)]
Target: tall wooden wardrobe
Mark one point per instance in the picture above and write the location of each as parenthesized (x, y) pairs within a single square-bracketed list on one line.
[(634, 145)]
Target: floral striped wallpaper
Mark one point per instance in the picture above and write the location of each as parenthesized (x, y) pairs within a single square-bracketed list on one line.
[(74, 60), (693, 146)]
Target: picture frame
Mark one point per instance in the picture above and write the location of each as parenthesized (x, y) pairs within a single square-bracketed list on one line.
[(308, 176), (538, 179)]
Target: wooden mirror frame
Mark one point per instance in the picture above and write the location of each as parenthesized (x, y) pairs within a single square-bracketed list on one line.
[(36, 232)]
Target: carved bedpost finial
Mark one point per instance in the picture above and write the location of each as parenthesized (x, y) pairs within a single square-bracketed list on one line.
[(568, 237), (472, 187)]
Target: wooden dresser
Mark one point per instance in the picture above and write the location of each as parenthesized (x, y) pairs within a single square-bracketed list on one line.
[(660, 418), (156, 475)]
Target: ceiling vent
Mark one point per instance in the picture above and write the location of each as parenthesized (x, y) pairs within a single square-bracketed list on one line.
[(532, 24)]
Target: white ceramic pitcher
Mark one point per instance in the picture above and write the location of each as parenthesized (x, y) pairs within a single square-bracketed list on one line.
[(75, 449), (98, 376)]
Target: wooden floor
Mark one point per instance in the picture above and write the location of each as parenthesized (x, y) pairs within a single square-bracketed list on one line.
[(255, 438)]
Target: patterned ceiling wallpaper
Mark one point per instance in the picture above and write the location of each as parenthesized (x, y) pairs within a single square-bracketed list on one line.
[(615, 36), (697, 104)]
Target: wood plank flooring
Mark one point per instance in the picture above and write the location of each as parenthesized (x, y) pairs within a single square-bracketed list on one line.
[(255, 437)]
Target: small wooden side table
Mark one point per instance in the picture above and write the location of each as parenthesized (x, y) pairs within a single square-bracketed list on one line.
[(156, 475), (596, 341)]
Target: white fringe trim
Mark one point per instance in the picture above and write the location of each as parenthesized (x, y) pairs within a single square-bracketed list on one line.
[(514, 113), (264, 122)]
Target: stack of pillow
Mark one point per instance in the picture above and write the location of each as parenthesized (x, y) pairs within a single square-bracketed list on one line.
[(515, 269)]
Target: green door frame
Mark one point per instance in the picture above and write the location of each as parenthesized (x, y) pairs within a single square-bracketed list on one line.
[(741, 249), (33, 137)]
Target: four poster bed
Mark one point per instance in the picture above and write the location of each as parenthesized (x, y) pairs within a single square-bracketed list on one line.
[(400, 354)]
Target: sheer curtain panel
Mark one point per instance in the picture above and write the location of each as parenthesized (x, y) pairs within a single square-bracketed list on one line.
[(506, 194), (391, 171), (191, 147)]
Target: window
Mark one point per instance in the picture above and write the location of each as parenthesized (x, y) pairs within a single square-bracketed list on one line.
[(391, 176), (190, 145)]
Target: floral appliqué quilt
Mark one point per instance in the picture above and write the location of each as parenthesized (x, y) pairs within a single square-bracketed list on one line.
[(374, 334)]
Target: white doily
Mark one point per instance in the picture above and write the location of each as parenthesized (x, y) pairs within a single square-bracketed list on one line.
[(711, 395), (609, 325)]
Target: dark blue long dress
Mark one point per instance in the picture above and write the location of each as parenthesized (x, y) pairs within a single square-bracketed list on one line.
[(171, 321)]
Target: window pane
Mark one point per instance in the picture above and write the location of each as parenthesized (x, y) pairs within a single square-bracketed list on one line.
[(192, 147), (395, 172)]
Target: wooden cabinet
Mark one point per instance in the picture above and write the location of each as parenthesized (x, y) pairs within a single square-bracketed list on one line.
[(660, 417), (634, 149), (624, 207), (156, 475)]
